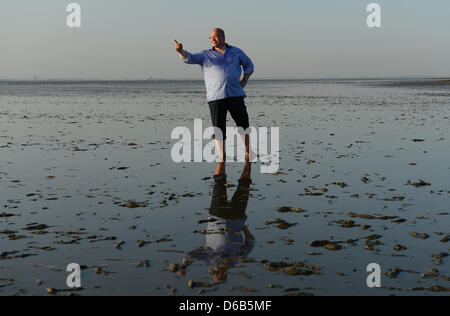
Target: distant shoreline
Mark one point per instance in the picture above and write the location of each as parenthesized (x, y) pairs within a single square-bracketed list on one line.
[(417, 81), (430, 82)]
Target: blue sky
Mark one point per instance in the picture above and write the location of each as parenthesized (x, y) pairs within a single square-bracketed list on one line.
[(286, 39)]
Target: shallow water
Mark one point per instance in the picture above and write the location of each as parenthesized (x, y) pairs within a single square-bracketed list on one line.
[(72, 153)]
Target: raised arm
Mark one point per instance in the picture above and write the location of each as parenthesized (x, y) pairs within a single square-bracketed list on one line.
[(188, 57)]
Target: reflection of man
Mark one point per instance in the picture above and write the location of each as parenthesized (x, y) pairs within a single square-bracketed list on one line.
[(227, 236), (221, 67)]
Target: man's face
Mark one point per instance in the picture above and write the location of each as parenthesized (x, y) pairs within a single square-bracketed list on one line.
[(216, 39)]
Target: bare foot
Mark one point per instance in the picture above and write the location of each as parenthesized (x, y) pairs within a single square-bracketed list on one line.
[(246, 171), (220, 168)]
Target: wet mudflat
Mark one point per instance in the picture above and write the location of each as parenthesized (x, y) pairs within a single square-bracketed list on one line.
[(86, 176)]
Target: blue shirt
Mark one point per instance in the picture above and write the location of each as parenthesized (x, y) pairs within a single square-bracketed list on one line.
[(222, 73)]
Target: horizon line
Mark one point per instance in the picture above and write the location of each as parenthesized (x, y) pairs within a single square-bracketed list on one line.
[(200, 79)]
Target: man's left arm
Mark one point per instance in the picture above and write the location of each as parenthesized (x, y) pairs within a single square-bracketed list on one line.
[(248, 67), (246, 77)]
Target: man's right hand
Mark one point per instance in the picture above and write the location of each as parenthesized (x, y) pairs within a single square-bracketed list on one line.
[(178, 47)]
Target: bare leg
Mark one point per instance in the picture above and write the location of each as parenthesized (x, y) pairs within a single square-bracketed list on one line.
[(249, 155), (220, 145)]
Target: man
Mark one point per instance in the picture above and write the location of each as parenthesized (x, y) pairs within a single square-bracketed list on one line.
[(222, 68)]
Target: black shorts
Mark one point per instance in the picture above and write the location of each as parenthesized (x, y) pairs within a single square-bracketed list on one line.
[(236, 107)]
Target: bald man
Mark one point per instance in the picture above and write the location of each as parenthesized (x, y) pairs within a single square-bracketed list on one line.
[(222, 67)]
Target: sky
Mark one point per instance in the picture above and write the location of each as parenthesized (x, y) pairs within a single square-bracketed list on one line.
[(133, 39)]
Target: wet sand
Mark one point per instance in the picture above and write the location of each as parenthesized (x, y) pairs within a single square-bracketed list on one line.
[(86, 177)]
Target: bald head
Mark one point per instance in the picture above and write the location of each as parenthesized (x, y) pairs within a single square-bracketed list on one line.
[(218, 31)]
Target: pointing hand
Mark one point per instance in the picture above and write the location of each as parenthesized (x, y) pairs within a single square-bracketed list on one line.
[(178, 47)]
